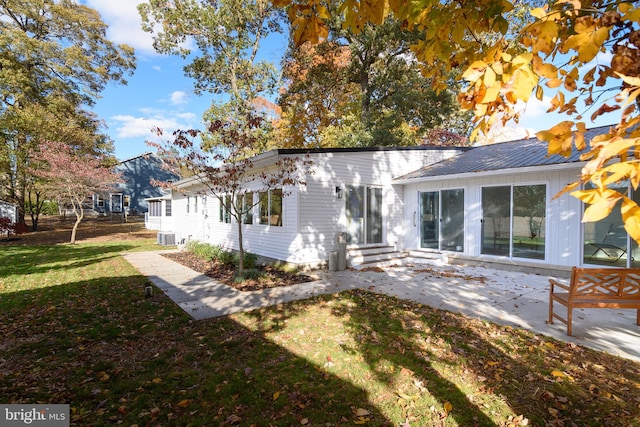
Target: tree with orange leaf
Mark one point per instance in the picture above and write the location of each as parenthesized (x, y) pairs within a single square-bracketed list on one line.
[(586, 54)]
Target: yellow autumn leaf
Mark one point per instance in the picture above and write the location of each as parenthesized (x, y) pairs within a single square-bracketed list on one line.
[(554, 83), (632, 15), (630, 80), (631, 218), (276, 395), (624, 7), (538, 12), (598, 210), (184, 403), (489, 77), (361, 420), (557, 374), (474, 71), (448, 407), (491, 94), (156, 380)]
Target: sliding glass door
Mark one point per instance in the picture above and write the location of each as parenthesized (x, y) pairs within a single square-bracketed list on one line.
[(442, 220), (514, 221)]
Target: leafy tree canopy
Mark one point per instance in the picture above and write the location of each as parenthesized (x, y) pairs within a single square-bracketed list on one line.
[(55, 60), (370, 77), (222, 40), (563, 51)]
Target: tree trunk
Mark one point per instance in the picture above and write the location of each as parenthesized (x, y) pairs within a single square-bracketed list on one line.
[(240, 249), (35, 209), (79, 212)]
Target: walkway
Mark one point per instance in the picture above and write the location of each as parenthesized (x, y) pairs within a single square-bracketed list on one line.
[(504, 297)]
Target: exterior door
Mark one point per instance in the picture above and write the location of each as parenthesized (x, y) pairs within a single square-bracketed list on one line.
[(364, 215), (116, 203), (442, 220)]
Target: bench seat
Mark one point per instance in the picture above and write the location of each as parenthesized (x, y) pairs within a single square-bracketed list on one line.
[(596, 288)]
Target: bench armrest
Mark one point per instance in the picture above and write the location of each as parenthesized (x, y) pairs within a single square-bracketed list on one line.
[(555, 283)]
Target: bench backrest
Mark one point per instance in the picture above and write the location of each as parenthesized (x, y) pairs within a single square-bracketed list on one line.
[(605, 283)]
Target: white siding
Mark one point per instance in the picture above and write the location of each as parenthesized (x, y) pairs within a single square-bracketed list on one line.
[(312, 214), (563, 228)]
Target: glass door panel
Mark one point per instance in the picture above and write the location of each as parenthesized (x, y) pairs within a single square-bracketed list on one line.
[(373, 223), (429, 230), (355, 215), (496, 215), (529, 219), (452, 220), (606, 241)]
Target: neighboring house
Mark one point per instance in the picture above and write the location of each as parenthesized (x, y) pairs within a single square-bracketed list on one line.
[(7, 210), (490, 204), (131, 196)]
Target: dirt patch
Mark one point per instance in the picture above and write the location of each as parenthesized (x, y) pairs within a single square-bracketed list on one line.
[(54, 230), (270, 277)]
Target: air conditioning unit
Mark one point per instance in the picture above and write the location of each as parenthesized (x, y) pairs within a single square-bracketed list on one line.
[(166, 239)]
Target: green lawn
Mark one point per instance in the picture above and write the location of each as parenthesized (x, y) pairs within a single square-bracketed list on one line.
[(76, 328)]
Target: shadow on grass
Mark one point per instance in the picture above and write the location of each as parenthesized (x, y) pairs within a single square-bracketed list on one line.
[(118, 357), (489, 374), (24, 260)]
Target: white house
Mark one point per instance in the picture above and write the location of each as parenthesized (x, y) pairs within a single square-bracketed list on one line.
[(489, 204)]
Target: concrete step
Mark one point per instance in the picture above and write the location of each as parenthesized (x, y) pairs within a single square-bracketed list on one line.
[(424, 257), (374, 257)]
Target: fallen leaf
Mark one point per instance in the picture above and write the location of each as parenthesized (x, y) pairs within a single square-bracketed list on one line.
[(448, 407), (360, 412)]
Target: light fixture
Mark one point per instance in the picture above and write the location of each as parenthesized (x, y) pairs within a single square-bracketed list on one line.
[(338, 193)]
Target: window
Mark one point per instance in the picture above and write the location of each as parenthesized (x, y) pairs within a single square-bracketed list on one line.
[(271, 207), (514, 220), (127, 201), (188, 203), (247, 208), (155, 208), (100, 202), (364, 215), (195, 204), (167, 207), (606, 242), (225, 213)]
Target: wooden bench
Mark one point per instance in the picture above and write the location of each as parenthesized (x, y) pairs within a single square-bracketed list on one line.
[(596, 288)]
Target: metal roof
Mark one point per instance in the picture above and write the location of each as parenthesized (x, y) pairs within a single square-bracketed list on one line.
[(500, 156)]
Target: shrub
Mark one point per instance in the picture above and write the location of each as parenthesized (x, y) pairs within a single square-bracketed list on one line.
[(247, 274), (6, 225), (227, 258), (203, 250), (250, 260)]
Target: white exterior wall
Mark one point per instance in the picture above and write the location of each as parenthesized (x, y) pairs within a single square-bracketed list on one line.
[(563, 242), (322, 214), (312, 214)]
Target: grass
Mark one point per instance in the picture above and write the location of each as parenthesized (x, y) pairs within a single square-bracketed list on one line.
[(76, 328)]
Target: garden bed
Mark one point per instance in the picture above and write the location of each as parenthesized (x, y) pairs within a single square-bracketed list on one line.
[(269, 276)]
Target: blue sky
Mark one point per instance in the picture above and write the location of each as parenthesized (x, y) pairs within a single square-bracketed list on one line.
[(158, 94)]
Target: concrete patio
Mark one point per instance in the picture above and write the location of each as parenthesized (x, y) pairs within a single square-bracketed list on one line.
[(504, 297)]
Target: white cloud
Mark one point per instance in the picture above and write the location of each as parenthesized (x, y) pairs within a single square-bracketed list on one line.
[(178, 97), (124, 23), (129, 126)]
